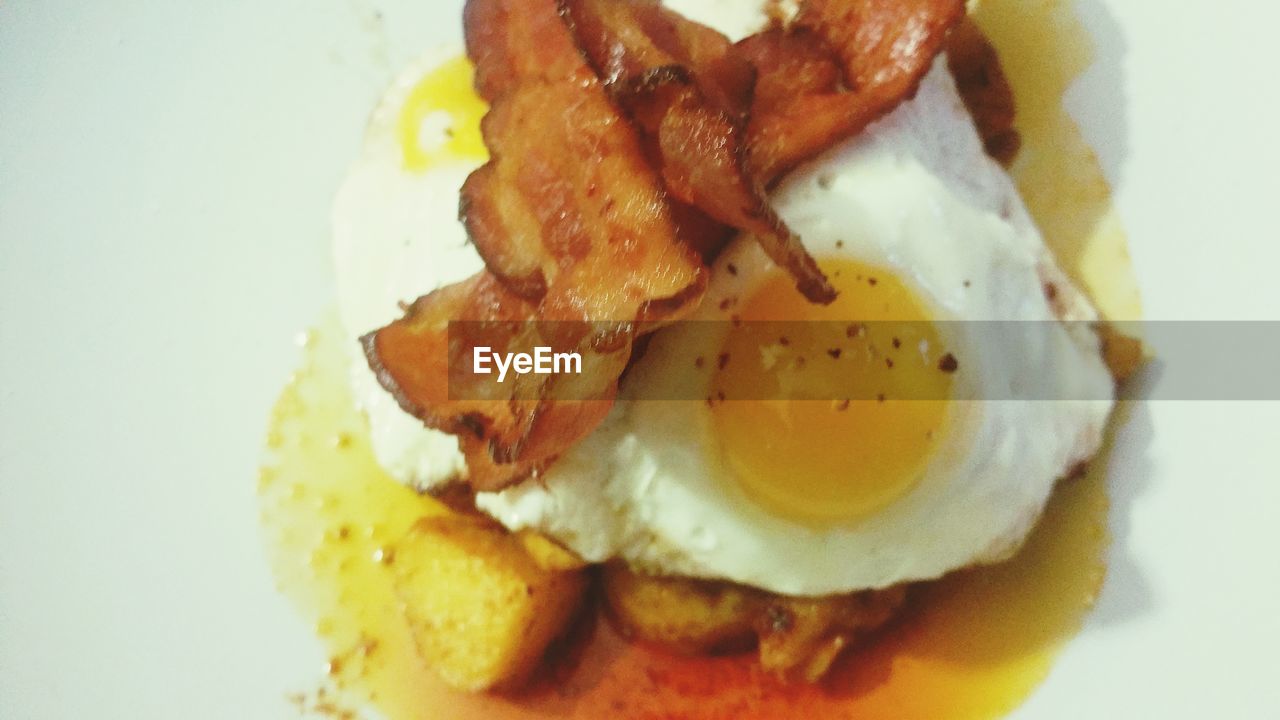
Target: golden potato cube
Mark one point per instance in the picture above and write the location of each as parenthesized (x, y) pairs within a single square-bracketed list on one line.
[(482, 609), (800, 638), (548, 554), (686, 616)]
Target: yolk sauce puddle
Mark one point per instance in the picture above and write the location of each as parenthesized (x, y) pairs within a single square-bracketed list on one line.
[(972, 646)]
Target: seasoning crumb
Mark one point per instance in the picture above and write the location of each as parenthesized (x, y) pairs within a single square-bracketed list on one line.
[(783, 341), (948, 363), (881, 398), (872, 281), (723, 360), (888, 362), (843, 405), (733, 269), (779, 619), (897, 343), (698, 362), (835, 353), (855, 330), (727, 303)]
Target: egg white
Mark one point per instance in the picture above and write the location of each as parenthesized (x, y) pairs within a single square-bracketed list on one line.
[(396, 237)]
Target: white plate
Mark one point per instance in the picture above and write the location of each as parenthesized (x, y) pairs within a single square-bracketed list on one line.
[(165, 175)]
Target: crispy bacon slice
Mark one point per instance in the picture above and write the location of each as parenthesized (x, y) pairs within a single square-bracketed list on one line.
[(510, 42), (883, 49), (986, 91), (800, 107), (688, 89), (883, 44), (625, 39), (575, 229), (569, 211), (506, 430)]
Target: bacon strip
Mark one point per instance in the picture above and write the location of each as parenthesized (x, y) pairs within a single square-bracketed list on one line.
[(882, 48), (687, 88), (575, 229), (511, 42), (985, 89), (507, 430)]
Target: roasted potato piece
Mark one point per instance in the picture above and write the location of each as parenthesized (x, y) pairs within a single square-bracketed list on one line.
[(686, 616), (798, 638), (481, 608), (549, 554)]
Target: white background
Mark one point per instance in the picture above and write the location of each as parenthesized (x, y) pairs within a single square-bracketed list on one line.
[(165, 175)]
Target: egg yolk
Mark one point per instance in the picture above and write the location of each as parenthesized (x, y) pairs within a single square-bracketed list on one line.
[(853, 396), (440, 120)]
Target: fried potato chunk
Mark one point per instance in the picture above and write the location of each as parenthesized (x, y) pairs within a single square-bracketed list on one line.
[(685, 616), (800, 638), (549, 554), (481, 608), (797, 638)]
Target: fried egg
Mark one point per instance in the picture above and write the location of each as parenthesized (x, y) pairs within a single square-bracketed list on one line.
[(914, 225)]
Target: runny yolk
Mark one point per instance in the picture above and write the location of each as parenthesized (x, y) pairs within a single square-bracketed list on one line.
[(846, 403), (440, 119)]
